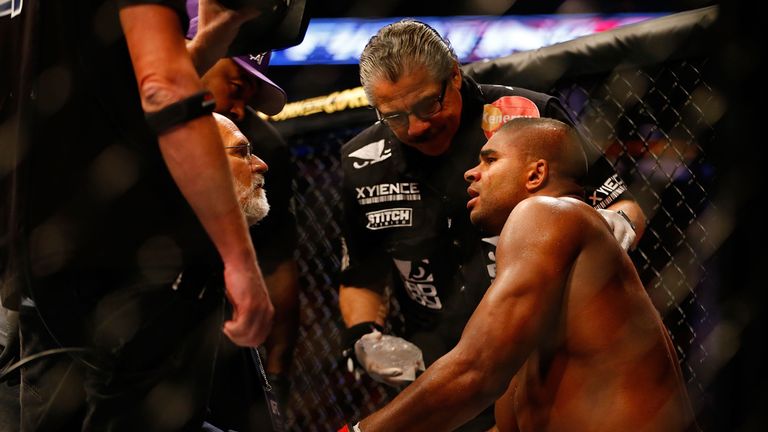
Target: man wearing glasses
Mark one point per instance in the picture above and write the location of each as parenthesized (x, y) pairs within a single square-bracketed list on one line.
[(405, 197), (247, 170), (241, 88)]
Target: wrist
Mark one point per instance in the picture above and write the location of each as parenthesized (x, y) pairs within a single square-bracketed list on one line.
[(626, 218), (350, 335), (180, 112)]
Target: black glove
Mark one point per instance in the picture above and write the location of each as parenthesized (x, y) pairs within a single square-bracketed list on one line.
[(351, 335)]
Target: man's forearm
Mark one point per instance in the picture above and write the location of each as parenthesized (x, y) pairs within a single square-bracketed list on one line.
[(194, 155), (283, 287), (360, 305), (192, 151)]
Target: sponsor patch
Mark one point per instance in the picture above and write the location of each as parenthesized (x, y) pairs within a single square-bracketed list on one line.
[(505, 109), (372, 153), (389, 218), (419, 282), (603, 196), (386, 192)]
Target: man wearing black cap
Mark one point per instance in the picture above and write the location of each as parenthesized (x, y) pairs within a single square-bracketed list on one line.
[(240, 88)]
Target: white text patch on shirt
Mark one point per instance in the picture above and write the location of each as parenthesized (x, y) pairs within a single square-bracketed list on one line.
[(386, 192), (389, 218)]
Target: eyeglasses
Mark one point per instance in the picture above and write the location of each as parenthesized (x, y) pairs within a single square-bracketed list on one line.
[(423, 110), (242, 151)]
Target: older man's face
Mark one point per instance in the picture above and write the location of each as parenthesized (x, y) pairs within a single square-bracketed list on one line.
[(247, 169), (422, 112)]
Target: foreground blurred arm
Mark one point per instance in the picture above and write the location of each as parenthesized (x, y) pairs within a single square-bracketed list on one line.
[(195, 158)]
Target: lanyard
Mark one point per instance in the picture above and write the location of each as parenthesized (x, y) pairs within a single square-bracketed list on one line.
[(272, 406)]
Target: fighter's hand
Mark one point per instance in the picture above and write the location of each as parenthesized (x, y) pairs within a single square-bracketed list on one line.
[(252, 310), (622, 229), (388, 359)]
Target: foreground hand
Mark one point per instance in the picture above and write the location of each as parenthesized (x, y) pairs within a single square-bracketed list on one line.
[(621, 228), (388, 359), (217, 27), (252, 310)]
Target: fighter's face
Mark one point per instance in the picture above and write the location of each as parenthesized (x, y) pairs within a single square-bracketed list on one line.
[(422, 113), (496, 184), (231, 86)]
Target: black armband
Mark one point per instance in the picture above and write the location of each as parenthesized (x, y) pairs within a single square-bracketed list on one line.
[(179, 112)]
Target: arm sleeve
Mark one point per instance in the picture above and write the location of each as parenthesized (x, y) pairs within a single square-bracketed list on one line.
[(602, 184)]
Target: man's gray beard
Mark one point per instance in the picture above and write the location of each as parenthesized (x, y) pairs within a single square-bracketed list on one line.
[(255, 205)]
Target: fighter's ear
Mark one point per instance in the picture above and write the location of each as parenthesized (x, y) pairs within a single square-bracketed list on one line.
[(538, 172)]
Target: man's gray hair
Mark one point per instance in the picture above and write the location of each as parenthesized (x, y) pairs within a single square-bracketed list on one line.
[(400, 47)]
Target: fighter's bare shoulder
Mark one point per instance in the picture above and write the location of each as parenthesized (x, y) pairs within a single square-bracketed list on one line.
[(540, 209)]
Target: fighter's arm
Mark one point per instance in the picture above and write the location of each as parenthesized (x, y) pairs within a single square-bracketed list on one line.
[(195, 158), (520, 310)]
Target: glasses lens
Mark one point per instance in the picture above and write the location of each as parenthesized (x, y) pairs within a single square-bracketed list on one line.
[(428, 109), (432, 107), (396, 121), (240, 151), (424, 110)]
